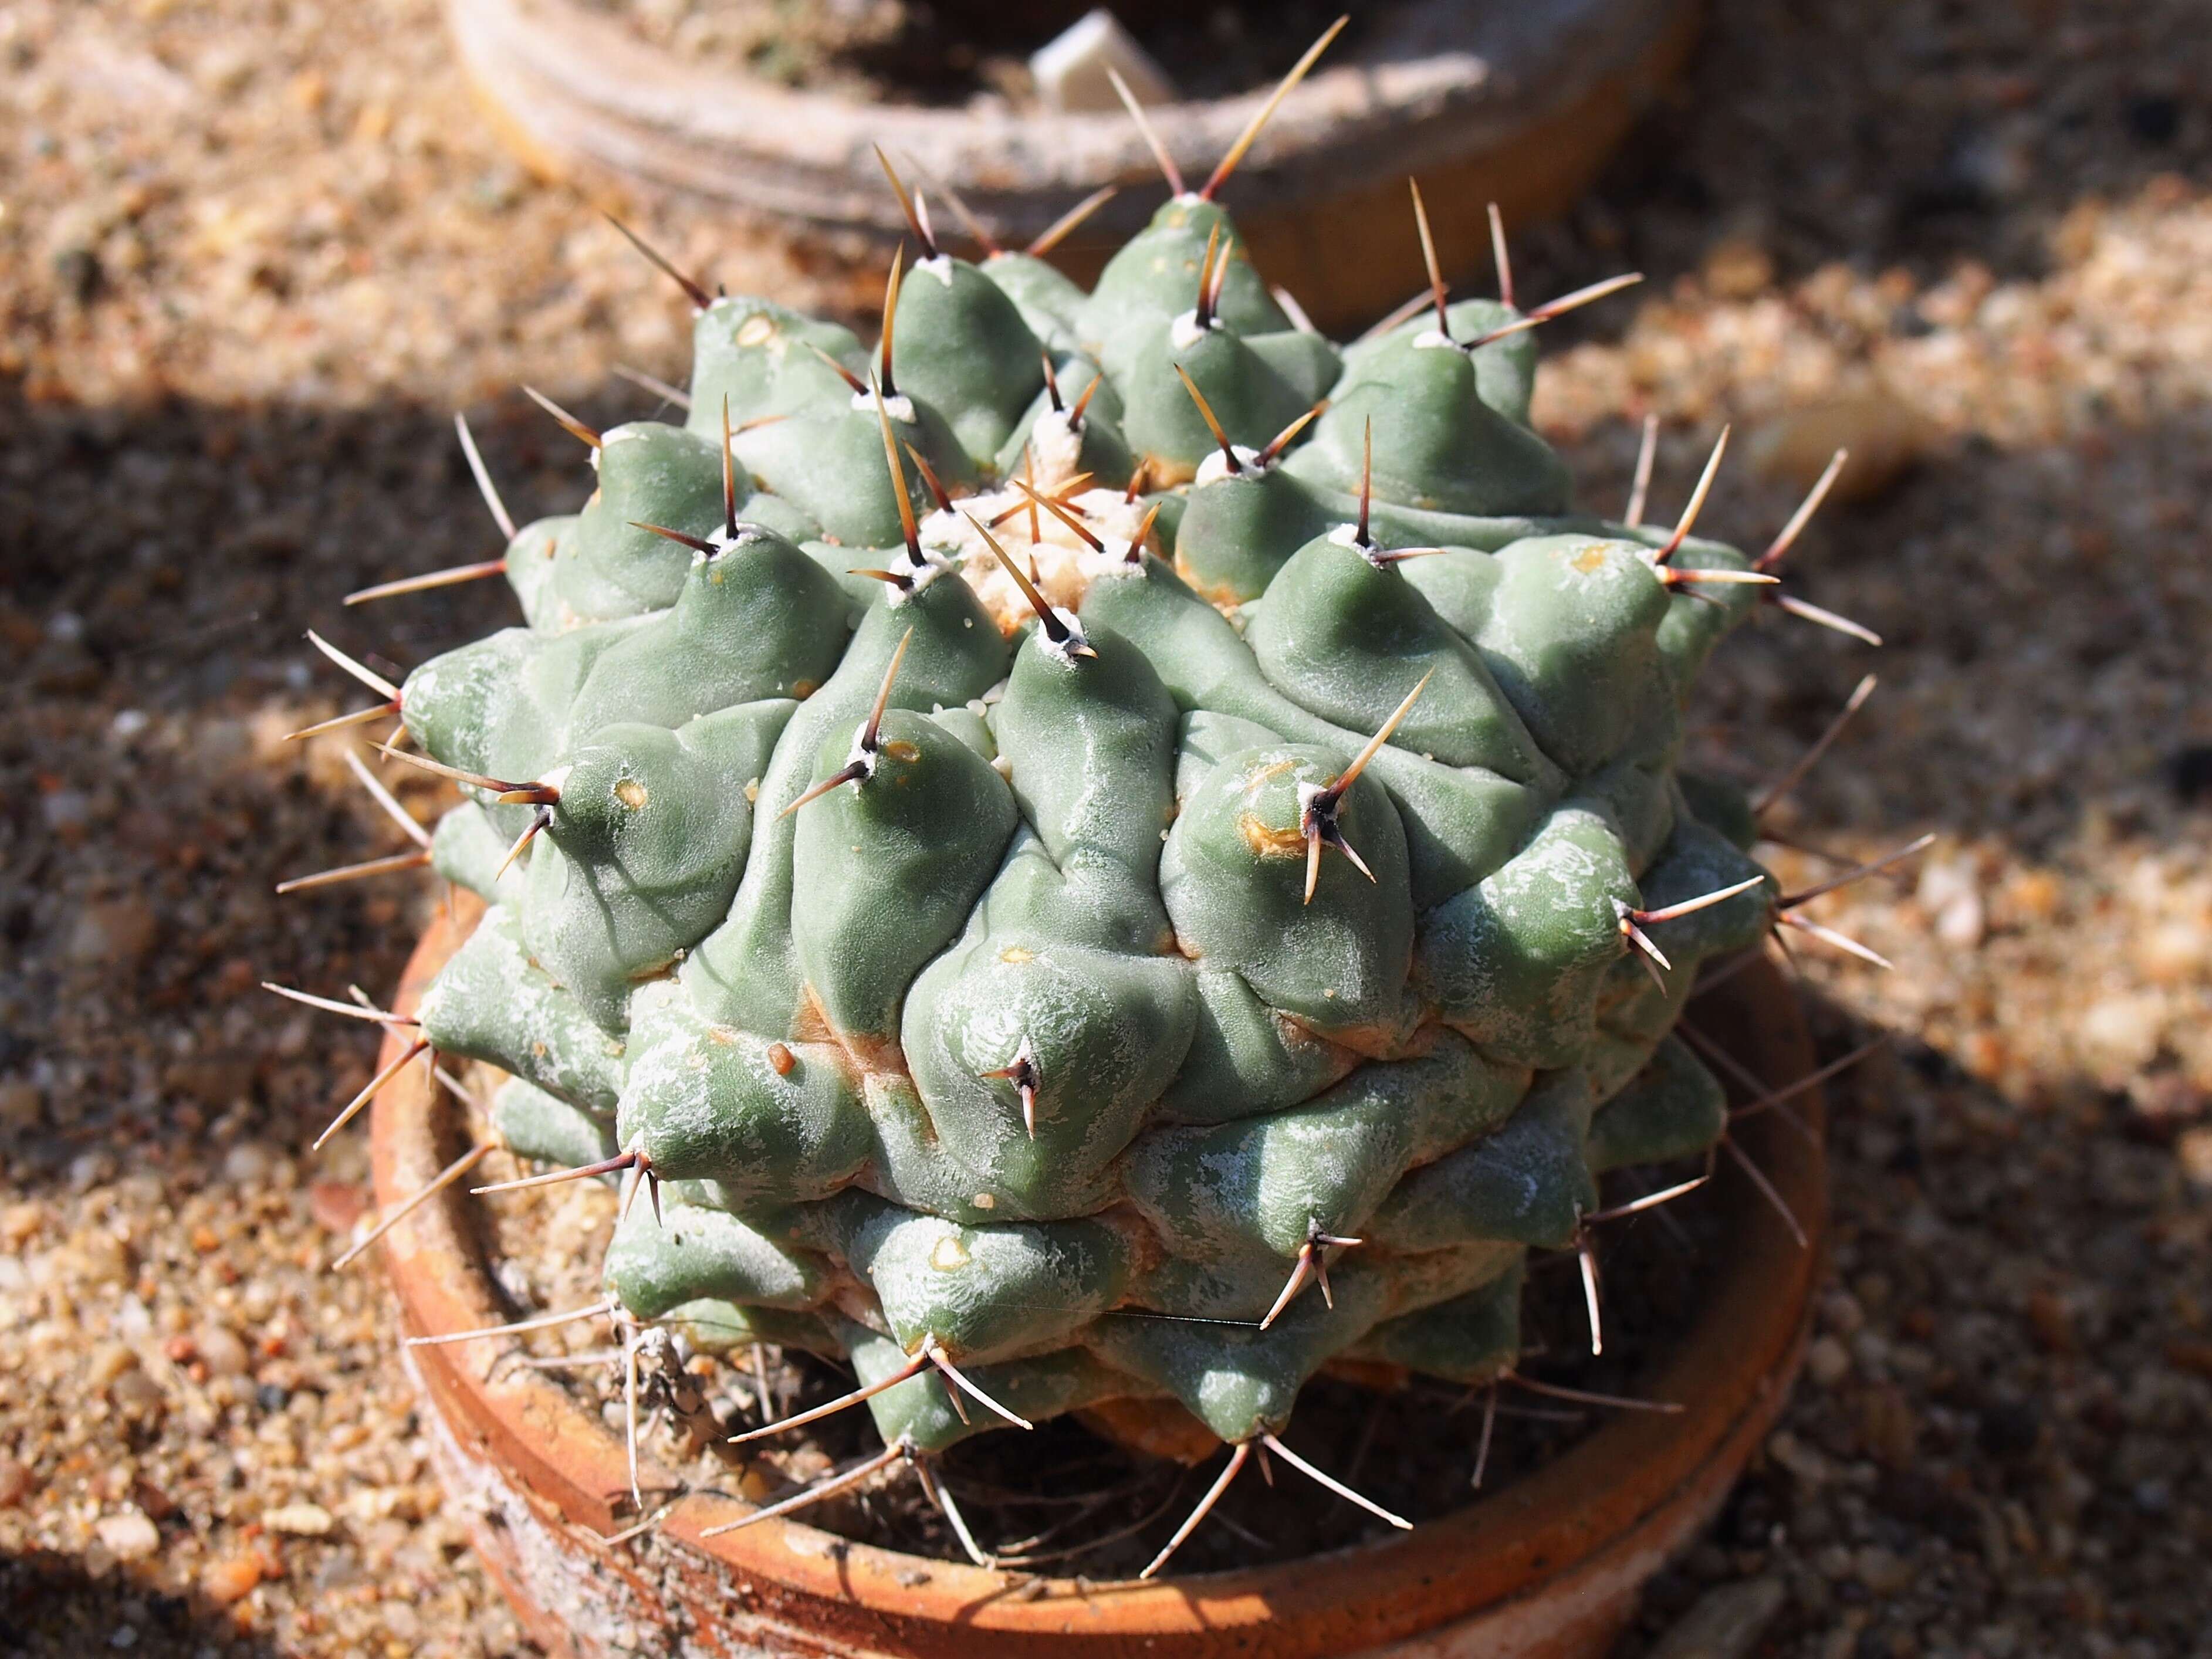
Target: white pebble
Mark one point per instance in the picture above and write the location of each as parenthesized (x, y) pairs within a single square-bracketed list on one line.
[(2121, 1031), (300, 1520), (1828, 1361), (129, 1535)]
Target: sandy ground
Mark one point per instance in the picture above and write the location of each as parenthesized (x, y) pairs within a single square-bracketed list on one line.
[(253, 255)]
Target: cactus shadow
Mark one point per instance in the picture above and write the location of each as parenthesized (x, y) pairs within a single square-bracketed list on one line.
[(1855, 131), (49, 1605)]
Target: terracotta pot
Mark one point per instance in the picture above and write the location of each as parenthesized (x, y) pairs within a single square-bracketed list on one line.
[(1520, 105), (1548, 1568)]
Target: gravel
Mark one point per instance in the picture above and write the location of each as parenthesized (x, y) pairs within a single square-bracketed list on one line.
[(253, 255)]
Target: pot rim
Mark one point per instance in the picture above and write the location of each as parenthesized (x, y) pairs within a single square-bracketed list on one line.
[(1731, 1371), (1406, 105)]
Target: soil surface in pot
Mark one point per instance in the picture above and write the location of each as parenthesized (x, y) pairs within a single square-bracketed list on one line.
[(905, 51), (1068, 1502)]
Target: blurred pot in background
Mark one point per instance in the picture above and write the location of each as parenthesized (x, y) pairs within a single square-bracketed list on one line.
[(776, 112)]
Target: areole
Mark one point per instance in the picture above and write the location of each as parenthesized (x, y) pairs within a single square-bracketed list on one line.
[(1548, 1568)]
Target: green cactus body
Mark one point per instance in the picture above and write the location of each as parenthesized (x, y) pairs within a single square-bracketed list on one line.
[(1031, 987)]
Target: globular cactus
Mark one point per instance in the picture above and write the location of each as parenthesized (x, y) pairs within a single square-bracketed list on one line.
[(1107, 849)]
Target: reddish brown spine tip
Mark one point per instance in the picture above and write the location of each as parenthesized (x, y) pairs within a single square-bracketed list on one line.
[(693, 290), (569, 423), (1366, 483), (1059, 230), (696, 544), (890, 384), (937, 491), (1136, 554), (1266, 113), (1439, 294), (1169, 170), (850, 378), (1061, 513), (1206, 414), (1083, 403), (916, 219)]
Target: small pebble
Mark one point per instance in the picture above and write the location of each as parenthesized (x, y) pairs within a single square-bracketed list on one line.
[(1884, 434), (22, 1104), (1827, 1362), (300, 1520), (1841, 1313), (129, 1535), (2193, 1149), (109, 1361), (1724, 1623), (1883, 1571), (337, 1204), (2120, 1032), (233, 1577), (219, 1351), (115, 936)]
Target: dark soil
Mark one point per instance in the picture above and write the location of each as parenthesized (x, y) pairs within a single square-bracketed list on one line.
[(910, 52)]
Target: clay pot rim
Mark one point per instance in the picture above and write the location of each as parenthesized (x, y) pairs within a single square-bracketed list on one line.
[(1730, 1370), (1350, 119)]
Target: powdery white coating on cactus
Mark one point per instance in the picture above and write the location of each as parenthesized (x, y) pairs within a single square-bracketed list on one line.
[(1215, 467), (1069, 955), (493, 1002)]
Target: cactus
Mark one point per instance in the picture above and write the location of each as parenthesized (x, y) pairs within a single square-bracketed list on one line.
[(1105, 849)]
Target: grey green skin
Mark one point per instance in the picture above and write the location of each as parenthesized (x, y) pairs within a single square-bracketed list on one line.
[(1026, 1044)]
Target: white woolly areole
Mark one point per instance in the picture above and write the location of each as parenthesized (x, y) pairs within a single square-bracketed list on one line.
[(724, 542), (898, 406), (942, 531), (860, 755), (917, 577), (1066, 565), (1187, 332), (1215, 467), (939, 265), (1350, 536), (1062, 651), (1433, 339), (1055, 446), (1122, 561)]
